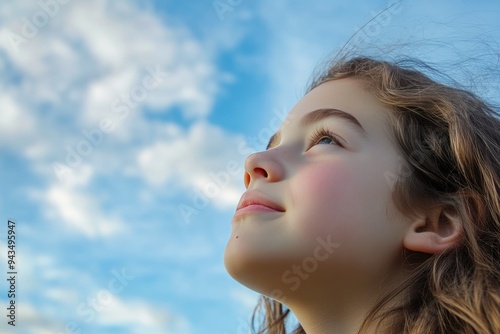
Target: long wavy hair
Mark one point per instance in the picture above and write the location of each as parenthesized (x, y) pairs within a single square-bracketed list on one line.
[(450, 141)]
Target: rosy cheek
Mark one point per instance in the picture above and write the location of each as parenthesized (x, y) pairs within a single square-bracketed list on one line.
[(325, 199)]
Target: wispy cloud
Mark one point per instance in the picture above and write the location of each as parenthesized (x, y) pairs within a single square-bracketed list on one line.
[(196, 158), (69, 205), (82, 68), (139, 317)]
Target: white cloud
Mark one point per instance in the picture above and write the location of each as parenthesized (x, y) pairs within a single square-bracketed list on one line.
[(69, 76), (16, 124), (123, 41), (87, 56), (137, 317), (141, 317), (205, 157), (29, 319), (37, 273), (67, 203), (78, 211), (62, 290)]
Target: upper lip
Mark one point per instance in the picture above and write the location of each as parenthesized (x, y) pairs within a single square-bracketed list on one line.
[(255, 198)]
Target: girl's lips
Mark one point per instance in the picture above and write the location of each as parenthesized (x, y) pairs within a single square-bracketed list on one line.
[(253, 208), (254, 202), (255, 198)]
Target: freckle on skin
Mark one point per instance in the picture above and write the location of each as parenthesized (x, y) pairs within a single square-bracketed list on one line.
[(236, 237)]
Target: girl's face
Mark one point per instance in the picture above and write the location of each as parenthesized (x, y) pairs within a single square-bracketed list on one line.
[(328, 174)]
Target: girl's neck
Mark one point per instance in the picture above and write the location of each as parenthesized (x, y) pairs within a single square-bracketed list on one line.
[(339, 312), (335, 316)]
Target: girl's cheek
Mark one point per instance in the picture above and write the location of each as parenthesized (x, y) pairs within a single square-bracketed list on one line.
[(325, 200)]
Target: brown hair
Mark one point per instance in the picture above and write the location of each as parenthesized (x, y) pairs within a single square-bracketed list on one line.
[(450, 143)]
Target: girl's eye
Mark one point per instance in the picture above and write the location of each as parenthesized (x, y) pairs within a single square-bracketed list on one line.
[(324, 136), (325, 140)]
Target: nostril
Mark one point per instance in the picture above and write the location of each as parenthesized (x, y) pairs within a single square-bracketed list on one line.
[(260, 171), (257, 172)]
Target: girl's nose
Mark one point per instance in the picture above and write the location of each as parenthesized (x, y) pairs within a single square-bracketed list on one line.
[(263, 165)]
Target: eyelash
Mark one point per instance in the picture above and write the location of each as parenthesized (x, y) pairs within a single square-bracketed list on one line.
[(324, 133)]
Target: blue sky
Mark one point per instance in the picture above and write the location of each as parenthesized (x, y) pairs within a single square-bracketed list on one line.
[(124, 126)]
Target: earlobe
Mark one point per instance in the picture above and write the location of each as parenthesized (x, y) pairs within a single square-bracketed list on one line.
[(434, 232)]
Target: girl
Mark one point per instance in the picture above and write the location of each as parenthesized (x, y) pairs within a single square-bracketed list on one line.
[(375, 208)]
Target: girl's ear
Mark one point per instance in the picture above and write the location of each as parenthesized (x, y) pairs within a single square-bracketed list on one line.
[(434, 232)]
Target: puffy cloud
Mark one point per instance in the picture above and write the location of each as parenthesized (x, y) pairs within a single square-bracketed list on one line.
[(15, 121), (92, 60), (205, 157), (67, 203)]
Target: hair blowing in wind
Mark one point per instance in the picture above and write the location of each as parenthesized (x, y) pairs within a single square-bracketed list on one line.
[(449, 139)]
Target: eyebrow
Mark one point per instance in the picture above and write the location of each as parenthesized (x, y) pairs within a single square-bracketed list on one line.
[(321, 114)]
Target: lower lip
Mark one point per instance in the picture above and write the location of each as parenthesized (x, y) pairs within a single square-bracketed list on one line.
[(253, 209)]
